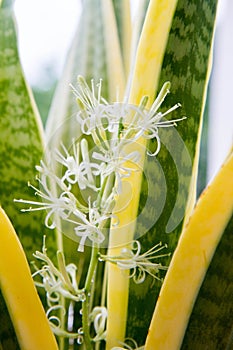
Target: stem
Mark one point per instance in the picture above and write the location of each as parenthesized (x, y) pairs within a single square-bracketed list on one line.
[(85, 307), (59, 243)]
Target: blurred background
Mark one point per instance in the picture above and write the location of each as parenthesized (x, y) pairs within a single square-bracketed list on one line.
[(46, 29)]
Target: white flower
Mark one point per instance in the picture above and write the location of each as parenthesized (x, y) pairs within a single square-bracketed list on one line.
[(115, 114), (91, 228), (86, 97), (113, 161), (92, 107), (82, 173), (92, 120), (96, 114), (57, 282), (60, 202), (57, 200), (146, 124), (99, 317), (140, 265), (123, 121), (63, 205), (129, 344)]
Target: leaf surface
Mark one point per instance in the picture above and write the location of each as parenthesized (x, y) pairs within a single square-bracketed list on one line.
[(186, 65), (8, 339), (191, 260), (21, 139), (211, 319)]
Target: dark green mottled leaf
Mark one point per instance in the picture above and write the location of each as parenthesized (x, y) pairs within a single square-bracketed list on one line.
[(21, 144), (8, 340), (185, 65), (211, 323)]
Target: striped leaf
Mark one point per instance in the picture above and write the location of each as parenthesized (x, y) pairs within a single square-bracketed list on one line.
[(8, 339), (21, 147), (124, 27), (186, 66), (144, 82), (190, 261), (210, 323), (30, 322), (21, 137)]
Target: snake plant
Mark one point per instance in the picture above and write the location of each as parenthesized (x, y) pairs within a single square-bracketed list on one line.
[(124, 254)]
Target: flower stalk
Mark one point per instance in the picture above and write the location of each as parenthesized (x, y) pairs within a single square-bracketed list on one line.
[(85, 304)]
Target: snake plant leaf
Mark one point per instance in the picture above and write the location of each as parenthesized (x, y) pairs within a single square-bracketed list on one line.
[(144, 80), (21, 137), (86, 57), (211, 319), (8, 339), (186, 65), (138, 22), (191, 260), (124, 27), (30, 322), (94, 55)]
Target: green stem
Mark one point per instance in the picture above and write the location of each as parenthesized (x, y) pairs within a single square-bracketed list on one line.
[(85, 307)]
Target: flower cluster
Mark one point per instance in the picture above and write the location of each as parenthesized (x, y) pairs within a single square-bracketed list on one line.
[(58, 281), (96, 173), (87, 219), (125, 122), (61, 282), (77, 187)]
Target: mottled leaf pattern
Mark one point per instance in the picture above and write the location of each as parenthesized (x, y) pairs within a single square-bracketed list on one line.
[(21, 144), (21, 148), (8, 338), (210, 324), (185, 65)]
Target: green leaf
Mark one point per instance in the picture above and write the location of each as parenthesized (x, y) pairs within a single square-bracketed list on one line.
[(124, 27), (8, 340), (185, 65), (211, 319), (6, 3), (191, 260), (88, 56), (21, 138), (144, 79)]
